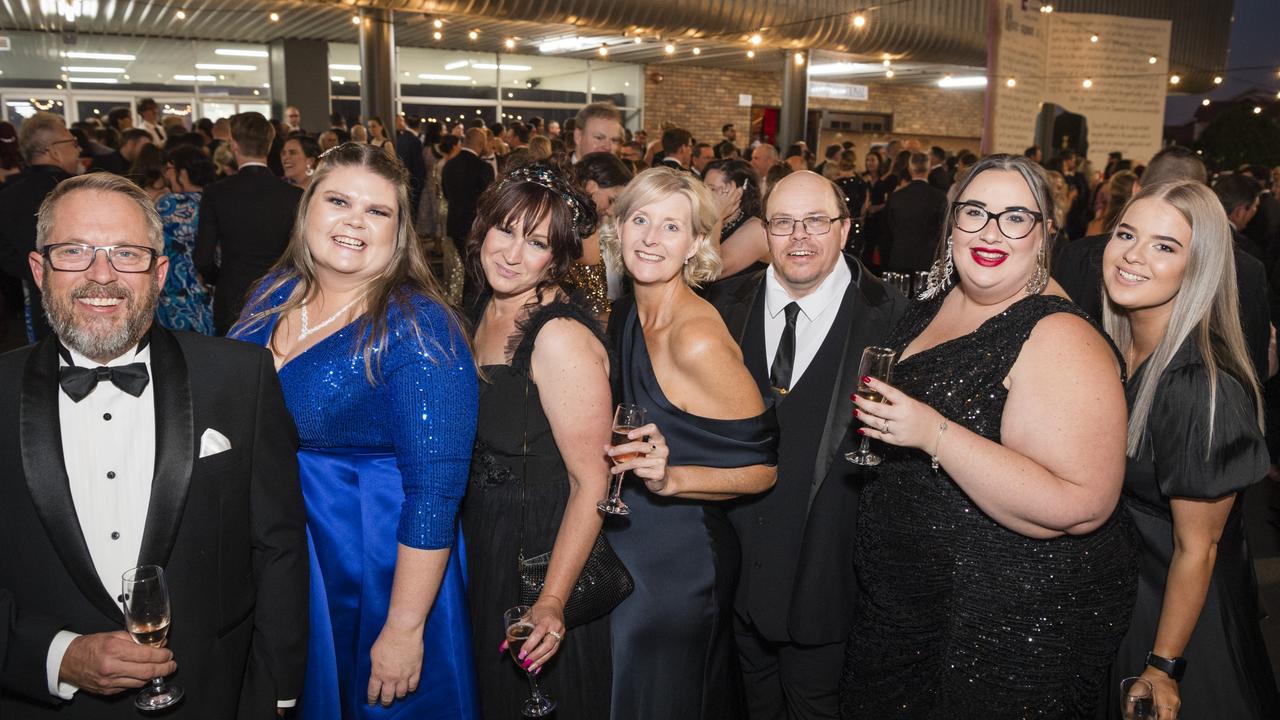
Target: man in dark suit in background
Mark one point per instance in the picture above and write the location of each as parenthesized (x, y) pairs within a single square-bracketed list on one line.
[(119, 161), (939, 176), (409, 150), (1240, 195), (677, 149), (802, 324), (247, 218), (914, 217), (463, 180), (52, 155), (141, 446)]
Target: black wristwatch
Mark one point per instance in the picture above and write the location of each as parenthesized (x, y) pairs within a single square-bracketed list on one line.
[(1173, 668)]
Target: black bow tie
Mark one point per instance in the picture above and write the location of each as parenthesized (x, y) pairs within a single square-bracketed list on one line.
[(78, 382)]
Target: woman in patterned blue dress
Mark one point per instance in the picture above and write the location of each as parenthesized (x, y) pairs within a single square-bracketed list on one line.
[(378, 376), (185, 301)]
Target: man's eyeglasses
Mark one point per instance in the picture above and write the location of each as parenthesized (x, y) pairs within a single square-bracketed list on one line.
[(55, 143), (814, 224), (1014, 223), (77, 257)]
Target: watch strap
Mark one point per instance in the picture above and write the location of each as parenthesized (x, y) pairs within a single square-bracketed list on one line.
[(1173, 667)]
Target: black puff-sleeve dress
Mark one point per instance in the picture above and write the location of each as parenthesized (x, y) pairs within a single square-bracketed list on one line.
[(1228, 674)]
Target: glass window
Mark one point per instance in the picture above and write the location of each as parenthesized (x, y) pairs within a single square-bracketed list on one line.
[(619, 83), (18, 107), (216, 110), (426, 72)]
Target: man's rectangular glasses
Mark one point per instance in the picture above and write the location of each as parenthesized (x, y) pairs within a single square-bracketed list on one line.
[(814, 224), (77, 257)]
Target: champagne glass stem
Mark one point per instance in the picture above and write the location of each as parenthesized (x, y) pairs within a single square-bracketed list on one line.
[(534, 690), (615, 491), (866, 446)]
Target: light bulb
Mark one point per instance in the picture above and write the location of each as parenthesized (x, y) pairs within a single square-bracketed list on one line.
[(859, 21), (1087, 83)]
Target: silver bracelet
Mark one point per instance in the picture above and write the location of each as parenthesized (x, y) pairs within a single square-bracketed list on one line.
[(933, 459)]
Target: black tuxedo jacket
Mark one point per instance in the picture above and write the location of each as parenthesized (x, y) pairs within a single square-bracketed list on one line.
[(940, 178), (19, 202), (248, 217), (819, 602), (464, 178), (228, 529), (914, 217)]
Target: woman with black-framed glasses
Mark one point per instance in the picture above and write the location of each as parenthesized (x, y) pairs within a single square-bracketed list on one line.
[(997, 573)]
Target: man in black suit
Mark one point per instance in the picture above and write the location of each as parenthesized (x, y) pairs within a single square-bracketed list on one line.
[(246, 218), (914, 217), (140, 446), (52, 155), (463, 180), (409, 150), (1240, 195), (802, 325), (1078, 268), (939, 176), (677, 149), (120, 160)]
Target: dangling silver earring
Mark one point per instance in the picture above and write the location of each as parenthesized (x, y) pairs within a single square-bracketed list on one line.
[(939, 275), (1039, 279)]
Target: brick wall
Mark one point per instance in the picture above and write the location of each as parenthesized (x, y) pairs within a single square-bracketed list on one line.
[(701, 99)]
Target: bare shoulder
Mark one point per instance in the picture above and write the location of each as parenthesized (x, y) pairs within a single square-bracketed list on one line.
[(565, 342), (699, 339), (1067, 344)]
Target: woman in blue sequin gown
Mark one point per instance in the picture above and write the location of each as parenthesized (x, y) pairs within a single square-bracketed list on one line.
[(185, 303), (380, 381)]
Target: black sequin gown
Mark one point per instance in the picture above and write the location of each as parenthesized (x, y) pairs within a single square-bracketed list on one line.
[(578, 677), (959, 616)]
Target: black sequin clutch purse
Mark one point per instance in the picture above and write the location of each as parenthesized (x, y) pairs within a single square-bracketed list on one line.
[(603, 584)]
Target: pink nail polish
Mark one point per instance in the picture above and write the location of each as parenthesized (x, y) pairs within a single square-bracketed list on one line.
[(522, 655)]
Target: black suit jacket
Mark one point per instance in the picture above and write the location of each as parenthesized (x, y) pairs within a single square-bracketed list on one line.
[(112, 162), (940, 178), (248, 217), (464, 178), (228, 529), (1078, 269), (19, 202), (821, 598), (914, 217), (409, 150)]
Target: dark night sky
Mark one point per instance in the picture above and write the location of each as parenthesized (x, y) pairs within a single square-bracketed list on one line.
[(1255, 40)]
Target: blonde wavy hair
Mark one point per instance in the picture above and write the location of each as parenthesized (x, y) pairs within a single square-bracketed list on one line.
[(652, 186)]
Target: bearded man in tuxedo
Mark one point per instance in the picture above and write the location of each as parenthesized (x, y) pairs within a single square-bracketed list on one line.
[(132, 445)]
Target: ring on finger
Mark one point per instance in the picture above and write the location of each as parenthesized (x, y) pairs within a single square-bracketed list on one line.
[(885, 429), (555, 635)]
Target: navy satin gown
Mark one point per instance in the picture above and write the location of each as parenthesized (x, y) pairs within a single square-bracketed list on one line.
[(673, 652), (382, 465)]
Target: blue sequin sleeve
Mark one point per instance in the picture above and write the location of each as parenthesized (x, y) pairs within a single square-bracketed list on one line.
[(434, 395)]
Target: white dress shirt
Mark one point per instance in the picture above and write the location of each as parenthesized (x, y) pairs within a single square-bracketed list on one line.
[(109, 449), (155, 130), (818, 312)]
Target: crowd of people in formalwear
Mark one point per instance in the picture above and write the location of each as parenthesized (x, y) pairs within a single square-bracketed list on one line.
[(427, 332)]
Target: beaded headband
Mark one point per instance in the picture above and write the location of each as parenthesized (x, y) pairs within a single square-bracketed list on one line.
[(583, 222)]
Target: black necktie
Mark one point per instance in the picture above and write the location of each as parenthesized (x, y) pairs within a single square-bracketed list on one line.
[(78, 382), (780, 371)]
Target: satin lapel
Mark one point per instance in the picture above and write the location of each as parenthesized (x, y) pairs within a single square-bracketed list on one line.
[(865, 327), (751, 340), (46, 475), (739, 315), (175, 447)]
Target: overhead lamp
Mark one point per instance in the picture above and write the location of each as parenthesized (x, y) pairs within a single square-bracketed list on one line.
[(1093, 38), (604, 51), (437, 23), (888, 74), (1174, 79), (274, 17), (257, 92), (195, 78), (91, 69), (473, 35), (799, 58), (456, 64), (181, 15), (886, 62), (336, 66), (696, 51), (751, 53), (503, 66), (859, 21), (756, 39), (437, 35), (1011, 83), (355, 19), (638, 40), (221, 66), (510, 43), (968, 81), (1205, 102), (1086, 84), (1046, 9), (1257, 109), (94, 80), (1217, 80), (76, 55), (1152, 60), (236, 52), (434, 76), (669, 49)]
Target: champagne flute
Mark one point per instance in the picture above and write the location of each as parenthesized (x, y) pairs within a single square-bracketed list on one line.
[(877, 362), (1137, 699), (519, 627), (147, 615), (625, 419)]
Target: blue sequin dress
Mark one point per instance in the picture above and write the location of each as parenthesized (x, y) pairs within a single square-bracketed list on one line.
[(184, 302), (380, 465)]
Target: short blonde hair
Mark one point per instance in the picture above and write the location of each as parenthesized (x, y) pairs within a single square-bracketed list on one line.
[(653, 185)]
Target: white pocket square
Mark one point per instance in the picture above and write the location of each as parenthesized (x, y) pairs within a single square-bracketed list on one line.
[(213, 442)]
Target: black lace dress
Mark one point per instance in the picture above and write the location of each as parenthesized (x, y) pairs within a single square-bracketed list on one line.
[(577, 678), (961, 617)]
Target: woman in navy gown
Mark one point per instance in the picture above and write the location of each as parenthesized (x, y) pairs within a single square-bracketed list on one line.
[(1195, 442), (673, 654), (381, 384)]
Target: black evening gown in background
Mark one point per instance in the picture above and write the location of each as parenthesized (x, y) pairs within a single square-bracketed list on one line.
[(1228, 673), (577, 678), (673, 652), (959, 616)]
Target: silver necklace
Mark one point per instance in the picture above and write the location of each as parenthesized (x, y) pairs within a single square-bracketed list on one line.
[(305, 330)]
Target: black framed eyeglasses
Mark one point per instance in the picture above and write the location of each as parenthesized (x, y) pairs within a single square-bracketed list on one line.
[(78, 257), (814, 224), (1014, 223)]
